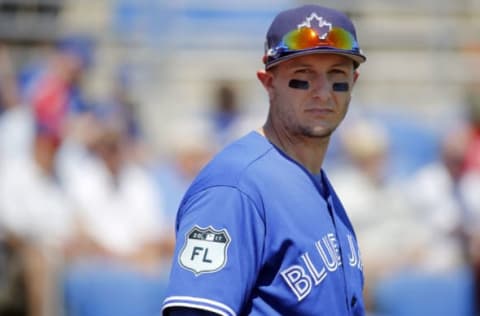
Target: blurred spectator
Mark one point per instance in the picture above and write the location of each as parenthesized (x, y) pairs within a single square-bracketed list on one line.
[(445, 207), (384, 226), (13, 297), (54, 89), (122, 228), (35, 212), (118, 206), (444, 202), (36, 219)]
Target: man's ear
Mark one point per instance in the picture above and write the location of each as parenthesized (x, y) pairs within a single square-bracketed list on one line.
[(266, 78), (356, 74)]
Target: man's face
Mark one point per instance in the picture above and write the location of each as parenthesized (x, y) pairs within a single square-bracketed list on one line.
[(319, 109)]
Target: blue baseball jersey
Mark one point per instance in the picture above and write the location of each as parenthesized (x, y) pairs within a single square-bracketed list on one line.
[(257, 234)]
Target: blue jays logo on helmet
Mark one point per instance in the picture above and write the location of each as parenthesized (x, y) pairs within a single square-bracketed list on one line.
[(318, 23)]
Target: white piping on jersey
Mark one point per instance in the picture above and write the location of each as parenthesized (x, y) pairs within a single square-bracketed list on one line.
[(196, 302)]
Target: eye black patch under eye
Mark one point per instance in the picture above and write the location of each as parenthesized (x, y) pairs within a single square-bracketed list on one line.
[(298, 84), (340, 86)]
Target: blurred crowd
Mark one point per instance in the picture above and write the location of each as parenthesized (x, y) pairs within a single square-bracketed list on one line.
[(419, 233), (87, 207)]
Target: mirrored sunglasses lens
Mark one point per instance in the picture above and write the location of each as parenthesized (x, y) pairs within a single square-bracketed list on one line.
[(305, 38), (301, 39), (340, 38)]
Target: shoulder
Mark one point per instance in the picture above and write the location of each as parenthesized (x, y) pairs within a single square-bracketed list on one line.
[(235, 164), (240, 176)]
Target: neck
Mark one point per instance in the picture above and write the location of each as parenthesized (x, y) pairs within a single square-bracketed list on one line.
[(307, 151)]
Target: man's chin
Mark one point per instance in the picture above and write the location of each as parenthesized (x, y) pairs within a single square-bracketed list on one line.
[(317, 132)]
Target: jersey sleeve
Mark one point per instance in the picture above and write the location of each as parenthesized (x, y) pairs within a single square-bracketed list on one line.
[(183, 311), (220, 235)]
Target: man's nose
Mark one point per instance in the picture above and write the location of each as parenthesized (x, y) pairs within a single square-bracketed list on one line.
[(322, 88)]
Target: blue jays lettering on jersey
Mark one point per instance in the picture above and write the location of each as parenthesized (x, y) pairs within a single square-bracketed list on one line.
[(249, 246)]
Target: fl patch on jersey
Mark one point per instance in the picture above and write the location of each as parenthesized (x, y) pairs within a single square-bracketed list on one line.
[(204, 250)]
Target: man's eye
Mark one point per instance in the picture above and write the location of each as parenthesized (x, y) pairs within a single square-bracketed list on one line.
[(303, 71), (338, 72)]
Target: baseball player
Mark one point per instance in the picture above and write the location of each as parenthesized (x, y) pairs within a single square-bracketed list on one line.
[(261, 230)]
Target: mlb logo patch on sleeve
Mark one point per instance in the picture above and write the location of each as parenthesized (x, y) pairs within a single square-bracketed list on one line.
[(205, 250)]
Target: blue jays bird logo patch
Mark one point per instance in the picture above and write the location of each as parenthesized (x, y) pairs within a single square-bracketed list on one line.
[(205, 250)]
